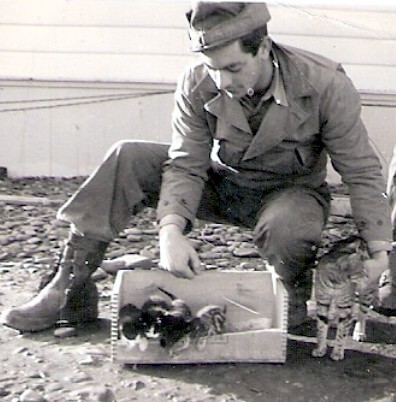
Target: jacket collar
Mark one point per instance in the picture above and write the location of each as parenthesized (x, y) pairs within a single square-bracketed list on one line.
[(277, 87), (291, 76), (280, 119), (296, 85)]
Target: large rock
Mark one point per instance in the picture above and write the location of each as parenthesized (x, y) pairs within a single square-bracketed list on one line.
[(127, 261)]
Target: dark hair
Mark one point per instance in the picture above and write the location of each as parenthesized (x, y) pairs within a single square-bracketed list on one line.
[(252, 41)]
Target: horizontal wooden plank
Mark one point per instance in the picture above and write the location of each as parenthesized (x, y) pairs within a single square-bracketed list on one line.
[(85, 67), (169, 42), (23, 200), (351, 5), (70, 140), (20, 96), (373, 78), (340, 18), (95, 12), (117, 40), (134, 68), (32, 91), (376, 22), (59, 36), (65, 140), (346, 50)]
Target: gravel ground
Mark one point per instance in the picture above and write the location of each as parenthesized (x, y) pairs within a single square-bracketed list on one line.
[(39, 367)]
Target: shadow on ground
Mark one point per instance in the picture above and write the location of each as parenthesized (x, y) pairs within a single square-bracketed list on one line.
[(360, 377)]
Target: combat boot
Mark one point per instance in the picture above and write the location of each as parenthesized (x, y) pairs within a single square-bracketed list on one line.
[(68, 295), (299, 294)]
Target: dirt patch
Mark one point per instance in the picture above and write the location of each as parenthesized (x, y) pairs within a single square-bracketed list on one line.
[(40, 367), (64, 370)]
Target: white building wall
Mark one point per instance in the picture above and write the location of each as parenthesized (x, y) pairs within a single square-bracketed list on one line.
[(73, 73)]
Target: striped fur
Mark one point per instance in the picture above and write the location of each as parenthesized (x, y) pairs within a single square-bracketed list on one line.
[(341, 295)]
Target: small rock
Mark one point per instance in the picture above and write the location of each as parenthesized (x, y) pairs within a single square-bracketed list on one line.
[(151, 232), (127, 261), (31, 396), (261, 267), (338, 219), (134, 238), (214, 225), (34, 240), (54, 387), (113, 266), (104, 395), (138, 385), (246, 252), (22, 237), (20, 350), (97, 394), (44, 260), (96, 351), (99, 275), (65, 332), (115, 254), (246, 265), (147, 254), (197, 244), (36, 223), (87, 361), (209, 267), (4, 240), (226, 255), (210, 238), (29, 232), (155, 251), (4, 392), (79, 377), (224, 264), (209, 255), (239, 237), (220, 249), (133, 231), (38, 374)]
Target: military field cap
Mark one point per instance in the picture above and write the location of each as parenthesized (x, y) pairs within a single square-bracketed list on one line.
[(213, 24)]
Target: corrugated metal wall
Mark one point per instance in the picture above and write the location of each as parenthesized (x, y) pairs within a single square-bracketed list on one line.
[(72, 72), (93, 40)]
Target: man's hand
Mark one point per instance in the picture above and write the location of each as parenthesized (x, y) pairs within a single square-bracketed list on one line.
[(375, 266), (177, 255)]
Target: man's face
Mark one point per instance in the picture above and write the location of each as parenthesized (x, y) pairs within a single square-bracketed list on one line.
[(235, 71)]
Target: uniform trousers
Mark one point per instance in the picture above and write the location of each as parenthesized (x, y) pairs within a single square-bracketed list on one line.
[(287, 222)]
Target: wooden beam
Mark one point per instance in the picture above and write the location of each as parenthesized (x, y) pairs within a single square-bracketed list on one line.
[(26, 200)]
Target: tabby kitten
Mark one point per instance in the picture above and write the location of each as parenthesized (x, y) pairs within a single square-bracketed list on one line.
[(209, 320), (340, 297)]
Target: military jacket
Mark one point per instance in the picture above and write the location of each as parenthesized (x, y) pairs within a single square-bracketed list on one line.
[(291, 146)]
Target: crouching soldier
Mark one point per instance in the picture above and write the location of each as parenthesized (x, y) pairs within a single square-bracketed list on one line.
[(273, 114)]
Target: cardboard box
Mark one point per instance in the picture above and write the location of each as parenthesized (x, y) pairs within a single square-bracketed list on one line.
[(256, 316)]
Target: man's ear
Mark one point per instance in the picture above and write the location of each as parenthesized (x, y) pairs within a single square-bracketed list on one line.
[(266, 47)]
